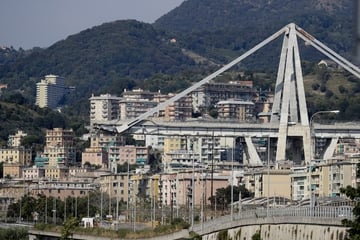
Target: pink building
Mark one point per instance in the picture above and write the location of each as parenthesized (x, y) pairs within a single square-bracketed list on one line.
[(177, 187), (95, 156), (128, 154)]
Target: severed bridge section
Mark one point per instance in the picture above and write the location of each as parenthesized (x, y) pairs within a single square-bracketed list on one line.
[(289, 125)]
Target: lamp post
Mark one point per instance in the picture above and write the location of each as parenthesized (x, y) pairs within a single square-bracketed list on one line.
[(268, 175), (312, 149)]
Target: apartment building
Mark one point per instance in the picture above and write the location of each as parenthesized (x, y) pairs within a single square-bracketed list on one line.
[(128, 154), (233, 109), (299, 186), (15, 139), (326, 178), (95, 156), (177, 188), (179, 160), (155, 141), (175, 143), (56, 172), (179, 110), (13, 170), (104, 108), (63, 189), (106, 141), (50, 91), (16, 155), (33, 173), (115, 186), (132, 108), (264, 183), (59, 148), (211, 93)]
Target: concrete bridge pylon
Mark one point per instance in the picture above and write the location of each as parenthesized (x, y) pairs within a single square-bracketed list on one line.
[(289, 108)]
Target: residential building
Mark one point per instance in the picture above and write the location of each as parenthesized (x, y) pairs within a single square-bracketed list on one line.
[(128, 154), (13, 170), (132, 108), (179, 110), (115, 185), (268, 183), (233, 109), (15, 140), (59, 147), (176, 188), (155, 141), (50, 91), (33, 173), (56, 172), (106, 140), (95, 156), (63, 189), (178, 160), (175, 143), (137, 94), (211, 93), (16, 155), (104, 108), (299, 186)]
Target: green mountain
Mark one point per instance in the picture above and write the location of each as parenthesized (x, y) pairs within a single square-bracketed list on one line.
[(224, 29), (205, 33), (109, 57)]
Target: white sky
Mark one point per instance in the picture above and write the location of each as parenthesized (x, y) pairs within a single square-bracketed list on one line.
[(40, 23)]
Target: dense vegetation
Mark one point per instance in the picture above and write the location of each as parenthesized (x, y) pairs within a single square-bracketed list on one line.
[(14, 234), (223, 29), (353, 225)]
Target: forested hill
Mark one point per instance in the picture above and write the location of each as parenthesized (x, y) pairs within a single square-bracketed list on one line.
[(174, 51), (109, 57), (223, 29)]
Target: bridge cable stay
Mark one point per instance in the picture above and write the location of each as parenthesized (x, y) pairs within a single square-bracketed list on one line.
[(328, 52), (163, 105)]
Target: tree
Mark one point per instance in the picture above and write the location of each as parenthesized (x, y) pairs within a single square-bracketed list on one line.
[(223, 196), (69, 227), (353, 225)]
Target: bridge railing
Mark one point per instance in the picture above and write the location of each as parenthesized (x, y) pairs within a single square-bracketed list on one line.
[(246, 216)]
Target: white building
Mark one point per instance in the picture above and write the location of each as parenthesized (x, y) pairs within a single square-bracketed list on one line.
[(104, 108), (299, 183), (15, 140), (50, 91)]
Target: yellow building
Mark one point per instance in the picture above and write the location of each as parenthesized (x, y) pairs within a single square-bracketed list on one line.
[(328, 177), (13, 170), (174, 143), (115, 185), (56, 172), (15, 155), (276, 182), (59, 147)]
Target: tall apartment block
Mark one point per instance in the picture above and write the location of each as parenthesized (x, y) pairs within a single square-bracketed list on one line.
[(104, 108), (50, 91), (59, 147)]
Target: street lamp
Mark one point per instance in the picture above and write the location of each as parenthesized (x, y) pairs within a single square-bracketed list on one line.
[(312, 149)]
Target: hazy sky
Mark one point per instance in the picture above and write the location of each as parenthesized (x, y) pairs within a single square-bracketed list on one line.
[(31, 23)]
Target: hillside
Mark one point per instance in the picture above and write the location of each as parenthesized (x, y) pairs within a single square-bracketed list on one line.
[(109, 57), (224, 29), (204, 34)]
